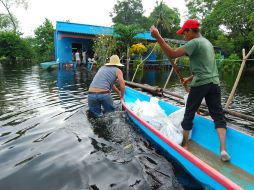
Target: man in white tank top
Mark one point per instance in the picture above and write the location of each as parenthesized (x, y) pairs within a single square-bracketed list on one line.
[(77, 56)]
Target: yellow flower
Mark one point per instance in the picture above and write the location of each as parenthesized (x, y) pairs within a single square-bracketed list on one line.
[(138, 49)]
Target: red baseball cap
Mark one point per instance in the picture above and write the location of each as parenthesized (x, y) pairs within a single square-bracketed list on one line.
[(188, 24)]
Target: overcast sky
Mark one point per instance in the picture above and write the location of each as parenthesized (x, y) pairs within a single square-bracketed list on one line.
[(94, 12)]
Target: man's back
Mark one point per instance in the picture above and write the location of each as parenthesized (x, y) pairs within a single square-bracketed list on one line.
[(105, 78)]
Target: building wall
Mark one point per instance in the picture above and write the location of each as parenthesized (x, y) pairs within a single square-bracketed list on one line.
[(63, 46)]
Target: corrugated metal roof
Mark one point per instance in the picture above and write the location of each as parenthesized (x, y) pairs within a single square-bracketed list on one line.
[(93, 30), (83, 28), (146, 35)]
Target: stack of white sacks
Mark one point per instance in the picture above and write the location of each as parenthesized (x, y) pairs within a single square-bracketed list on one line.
[(169, 125)]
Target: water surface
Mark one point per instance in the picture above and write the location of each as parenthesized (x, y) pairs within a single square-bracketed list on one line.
[(48, 141)]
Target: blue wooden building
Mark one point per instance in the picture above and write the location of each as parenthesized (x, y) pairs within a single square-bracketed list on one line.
[(72, 37)]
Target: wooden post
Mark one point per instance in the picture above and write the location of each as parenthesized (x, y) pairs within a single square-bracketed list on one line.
[(238, 77)]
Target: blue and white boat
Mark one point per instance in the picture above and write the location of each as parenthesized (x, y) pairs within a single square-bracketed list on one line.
[(201, 160), (49, 64)]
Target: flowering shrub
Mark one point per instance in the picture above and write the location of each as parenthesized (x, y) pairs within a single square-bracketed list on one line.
[(138, 49)]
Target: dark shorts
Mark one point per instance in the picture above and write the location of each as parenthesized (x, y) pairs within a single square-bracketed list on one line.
[(212, 94)]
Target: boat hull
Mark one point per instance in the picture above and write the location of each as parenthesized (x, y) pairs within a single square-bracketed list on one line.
[(196, 167), (49, 65)]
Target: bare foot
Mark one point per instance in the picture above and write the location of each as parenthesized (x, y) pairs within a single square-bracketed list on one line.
[(224, 156), (185, 145)]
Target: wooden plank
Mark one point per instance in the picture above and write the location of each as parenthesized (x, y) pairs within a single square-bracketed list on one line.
[(234, 173)]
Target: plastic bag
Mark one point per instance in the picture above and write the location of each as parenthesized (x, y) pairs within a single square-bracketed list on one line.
[(177, 117), (152, 113), (172, 132)]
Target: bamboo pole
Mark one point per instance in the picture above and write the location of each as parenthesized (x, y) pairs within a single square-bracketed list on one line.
[(169, 76), (141, 61), (230, 98), (177, 71)]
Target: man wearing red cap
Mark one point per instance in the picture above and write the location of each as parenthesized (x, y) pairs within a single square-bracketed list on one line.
[(204, 80)]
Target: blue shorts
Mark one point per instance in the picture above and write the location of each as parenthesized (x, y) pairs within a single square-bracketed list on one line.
[(96, 101), (212, 94)]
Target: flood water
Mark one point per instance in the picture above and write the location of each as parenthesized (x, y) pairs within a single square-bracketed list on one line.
[(48, 141)]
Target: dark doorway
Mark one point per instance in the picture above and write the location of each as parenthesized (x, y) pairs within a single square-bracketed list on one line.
[(76, 47)]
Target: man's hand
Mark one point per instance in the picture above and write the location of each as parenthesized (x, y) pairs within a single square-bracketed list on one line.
[(154, 31), (185, 80)]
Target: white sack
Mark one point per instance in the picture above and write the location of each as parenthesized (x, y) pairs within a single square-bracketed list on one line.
[(152, 113)]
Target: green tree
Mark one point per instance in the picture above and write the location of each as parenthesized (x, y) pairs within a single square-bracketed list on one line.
[(166, 19), (125, 34), (104, 47), (6, 24), (44, 41), (8, 4), (14, 48), (199, 9), (230, 64), (211, 28), (252, 25), (236, 17), (128, 12), (225, 43)]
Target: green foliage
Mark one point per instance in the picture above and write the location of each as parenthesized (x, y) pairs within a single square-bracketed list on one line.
[(139, 64), (236, 17), (104, 46), (126, 33), (218, 58), (225, 43), (157, 50), (8, 4), (233, 19), (44, 41), (128, 12), (184, 61), (199, 9), (251, 34), (6, 24), (231, 64), (210, 29), (166, 19), (15, 48)]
